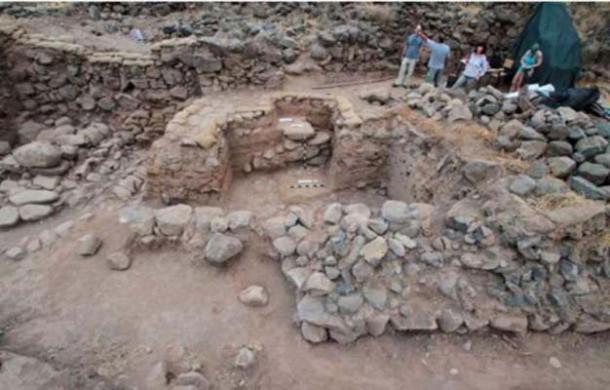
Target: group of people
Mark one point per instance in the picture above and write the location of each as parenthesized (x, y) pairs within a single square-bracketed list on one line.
[(475, 63)]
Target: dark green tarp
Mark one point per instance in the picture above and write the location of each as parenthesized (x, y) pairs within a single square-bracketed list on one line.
[(551, 27)]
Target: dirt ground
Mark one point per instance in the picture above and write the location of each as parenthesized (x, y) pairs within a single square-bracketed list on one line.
[(77, 315)]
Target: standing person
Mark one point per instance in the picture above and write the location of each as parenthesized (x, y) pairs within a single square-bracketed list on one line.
[(410, 54), (476, 67), (529, 62), (439, 51)]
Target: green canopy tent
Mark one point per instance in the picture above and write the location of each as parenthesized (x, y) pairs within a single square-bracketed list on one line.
[(551, 27)]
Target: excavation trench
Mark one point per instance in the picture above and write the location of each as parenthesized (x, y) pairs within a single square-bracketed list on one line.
[(303, 147)]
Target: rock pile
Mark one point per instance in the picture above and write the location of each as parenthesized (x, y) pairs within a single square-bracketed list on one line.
[(563, 144), (560, 143), (359, 271), (64, 165)]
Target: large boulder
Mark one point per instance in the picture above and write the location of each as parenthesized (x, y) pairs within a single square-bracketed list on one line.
[(38, 155), (221, 248)]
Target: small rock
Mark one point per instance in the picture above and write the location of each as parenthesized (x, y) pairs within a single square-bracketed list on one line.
[(89, 244), (193, 379), (376, 296), (375, 250), (38, 155), (588, 189), (333, 213), (297, 130), (221, 248), (285, 246), (561, 166), (254, 296), (33, 245), (172, 220), (450, 320), (591, 146), (34, 212), (140, 219), (312, 333), (531, 150), (15, 253), (477, 171), (350, 304), (9, 216), (33, 196), (522, 185), (395, 211), (595, 173), (319, 284), (434, 259), (510, 323), (240, 219), (245, 358), (459, 112), (559, 148), (118, 261), (554, 362)]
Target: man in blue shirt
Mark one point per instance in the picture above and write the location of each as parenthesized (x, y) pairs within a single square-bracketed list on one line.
[(439, 52), (410, 54)]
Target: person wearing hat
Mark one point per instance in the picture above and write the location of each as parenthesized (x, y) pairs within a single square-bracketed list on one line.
[(529, 62)]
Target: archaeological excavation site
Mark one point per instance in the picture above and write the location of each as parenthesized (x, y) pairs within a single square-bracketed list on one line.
[(201, 196)]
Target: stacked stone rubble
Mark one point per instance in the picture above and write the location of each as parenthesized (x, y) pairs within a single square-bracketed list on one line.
[(359, 271)]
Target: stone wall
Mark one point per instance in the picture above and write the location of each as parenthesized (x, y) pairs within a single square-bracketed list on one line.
[(205, 144), (47, 78)]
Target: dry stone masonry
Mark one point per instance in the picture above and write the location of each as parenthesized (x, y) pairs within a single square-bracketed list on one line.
[(559, 144), (489, 264)]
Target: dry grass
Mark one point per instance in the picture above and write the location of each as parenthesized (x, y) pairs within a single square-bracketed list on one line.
[(378, 12), (556, 201)]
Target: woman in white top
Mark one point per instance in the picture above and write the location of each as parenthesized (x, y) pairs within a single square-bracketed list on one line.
[(476, 66)]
